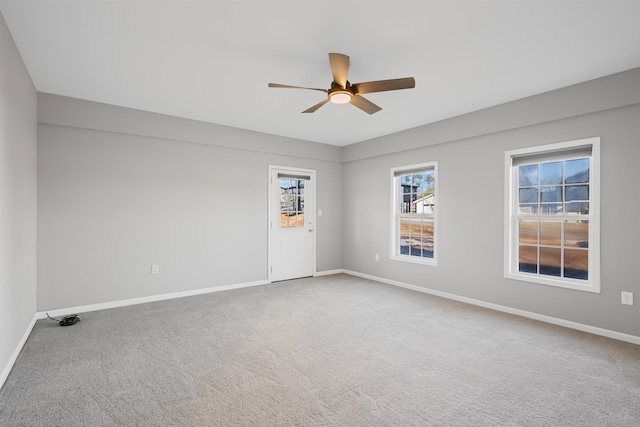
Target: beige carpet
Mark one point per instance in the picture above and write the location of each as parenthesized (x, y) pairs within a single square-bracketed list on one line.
[(326, 351)]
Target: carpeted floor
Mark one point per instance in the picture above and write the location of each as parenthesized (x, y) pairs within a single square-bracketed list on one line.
[(325, 351)]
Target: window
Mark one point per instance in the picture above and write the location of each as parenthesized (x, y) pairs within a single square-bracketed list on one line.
[(552, 214), (414, 199), (291, 201)]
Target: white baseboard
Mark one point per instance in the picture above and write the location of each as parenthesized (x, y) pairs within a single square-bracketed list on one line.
[(328, 272), (523, 313), (142, 300), (16, 352)]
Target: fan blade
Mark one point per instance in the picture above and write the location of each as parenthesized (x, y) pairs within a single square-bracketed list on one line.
[(339, 68), (364, 104), (383, 85), (315, 107), (296, 87)]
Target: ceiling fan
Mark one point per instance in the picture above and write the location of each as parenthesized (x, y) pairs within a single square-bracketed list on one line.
[(342, 91)]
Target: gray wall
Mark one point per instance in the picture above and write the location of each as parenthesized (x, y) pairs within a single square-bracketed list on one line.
[(470, 151), (121, 189), (18, 133)]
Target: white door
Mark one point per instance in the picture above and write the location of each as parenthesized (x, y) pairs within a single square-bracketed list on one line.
[(291, 223)]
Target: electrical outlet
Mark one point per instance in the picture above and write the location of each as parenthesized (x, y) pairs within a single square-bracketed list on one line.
[(377, 257), (626, 298), (155, 269)]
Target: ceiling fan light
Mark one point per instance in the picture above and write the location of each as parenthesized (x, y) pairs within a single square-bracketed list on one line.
[(340, 97)]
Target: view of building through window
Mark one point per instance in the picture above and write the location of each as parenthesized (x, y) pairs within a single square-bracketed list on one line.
[(416, 219), (291, 202), (414, 213)]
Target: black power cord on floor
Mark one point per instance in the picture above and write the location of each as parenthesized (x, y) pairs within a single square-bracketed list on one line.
[(66, 320)]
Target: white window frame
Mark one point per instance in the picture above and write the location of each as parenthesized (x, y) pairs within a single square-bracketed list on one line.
[(396, 211), (510, 215)]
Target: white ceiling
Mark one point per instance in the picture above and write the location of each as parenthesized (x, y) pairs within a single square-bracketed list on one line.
[(212, 60)]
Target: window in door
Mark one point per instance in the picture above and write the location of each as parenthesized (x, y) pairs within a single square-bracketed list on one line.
[(291, 202)]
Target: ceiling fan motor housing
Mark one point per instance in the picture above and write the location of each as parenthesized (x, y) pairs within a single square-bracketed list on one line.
[(339, 95)]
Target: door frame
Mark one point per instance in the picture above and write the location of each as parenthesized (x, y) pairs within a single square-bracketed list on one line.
[(310, 214)]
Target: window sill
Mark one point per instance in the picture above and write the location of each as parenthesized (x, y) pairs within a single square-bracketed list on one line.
[(415, 260), (589, 286)]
